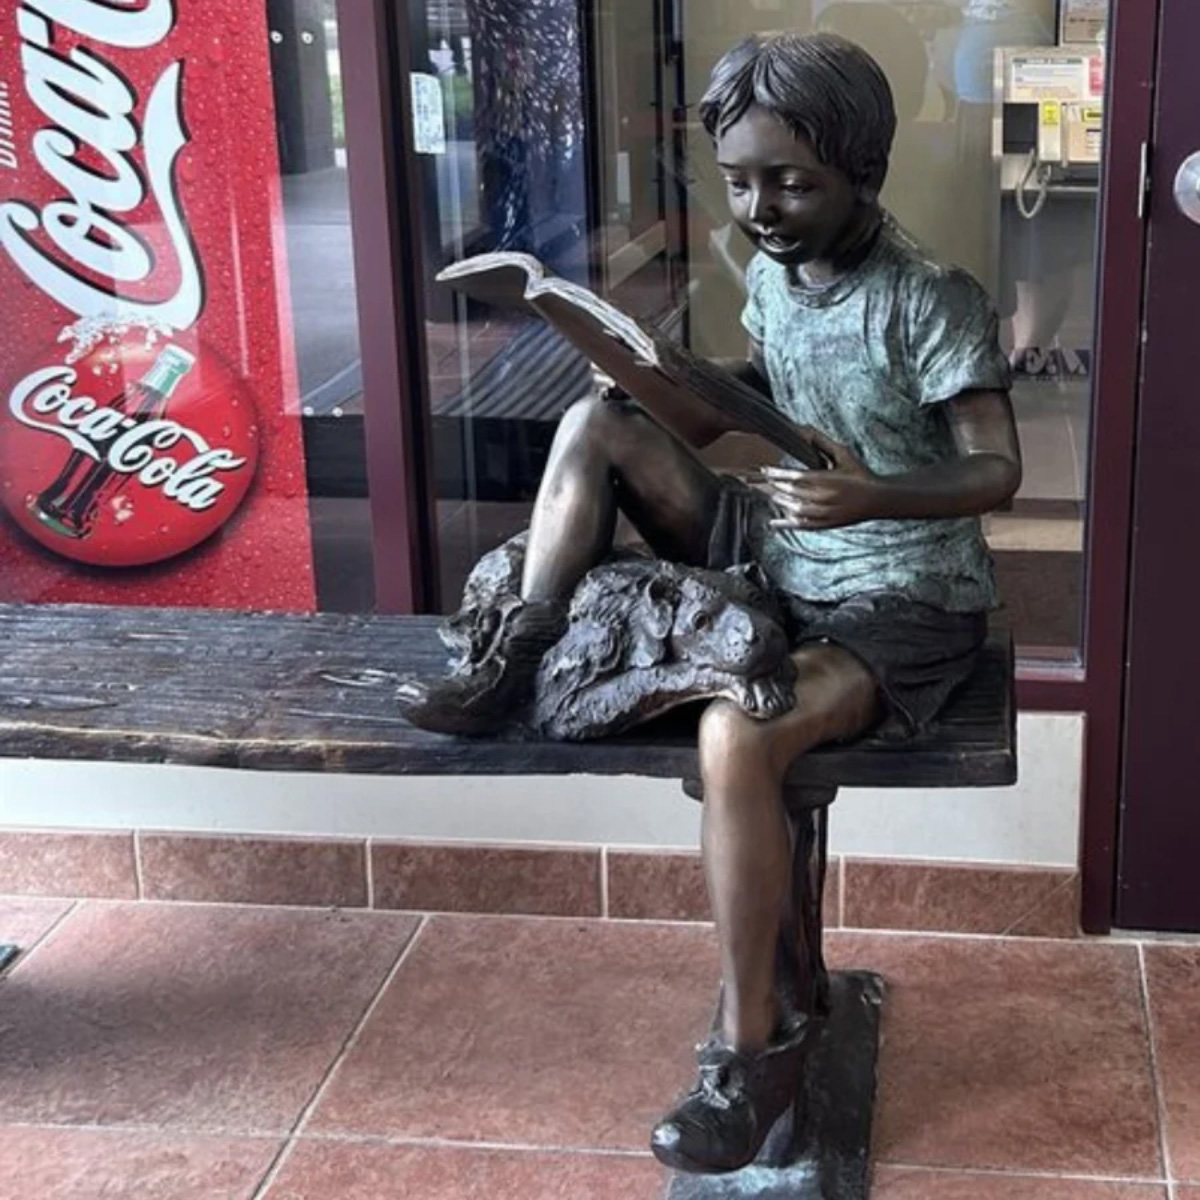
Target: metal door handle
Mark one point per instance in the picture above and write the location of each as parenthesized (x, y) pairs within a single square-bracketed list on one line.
[(1187, 187)]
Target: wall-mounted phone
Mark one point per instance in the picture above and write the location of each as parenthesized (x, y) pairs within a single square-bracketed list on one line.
[(1049, 122)]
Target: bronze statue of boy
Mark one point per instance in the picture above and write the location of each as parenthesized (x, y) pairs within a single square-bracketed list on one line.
[(893, 362)]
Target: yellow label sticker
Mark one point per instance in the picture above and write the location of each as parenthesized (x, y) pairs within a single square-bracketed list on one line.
[(1051, 112)]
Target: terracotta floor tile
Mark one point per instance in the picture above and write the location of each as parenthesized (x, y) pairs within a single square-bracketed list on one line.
[(537, 1032), (212, 1019), (85, 1164), (57, 863), (893, 1184), (486, 879), (318, 1170), (1173, 981), (254, 870), (957, 897), (657, 885), (1057, 916), (23, 920), (1011, 1055)]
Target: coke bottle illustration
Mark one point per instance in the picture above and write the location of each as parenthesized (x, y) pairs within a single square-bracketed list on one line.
[(71, 504)]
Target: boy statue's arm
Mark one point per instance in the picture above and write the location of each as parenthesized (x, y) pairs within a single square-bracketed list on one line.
[(984, 474)]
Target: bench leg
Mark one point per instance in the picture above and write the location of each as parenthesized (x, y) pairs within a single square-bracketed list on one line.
[(801, 976), (820, 1148)]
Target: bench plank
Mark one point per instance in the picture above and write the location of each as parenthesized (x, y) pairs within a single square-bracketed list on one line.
[(314, 693)]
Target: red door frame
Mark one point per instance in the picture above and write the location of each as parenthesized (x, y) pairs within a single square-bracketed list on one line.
[(1120, 274), (385, 209), (385, 215), (1159, 835)]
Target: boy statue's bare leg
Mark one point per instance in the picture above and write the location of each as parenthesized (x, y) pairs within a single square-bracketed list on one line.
[(748, 1075), (608, 455), (611, 455), (745, 833)]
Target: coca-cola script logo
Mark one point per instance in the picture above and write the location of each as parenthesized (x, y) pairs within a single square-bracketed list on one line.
[(129, 453), (88, 149), (139, 442)]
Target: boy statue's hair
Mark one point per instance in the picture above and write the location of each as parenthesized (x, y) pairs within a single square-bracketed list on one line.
[(822, 87)]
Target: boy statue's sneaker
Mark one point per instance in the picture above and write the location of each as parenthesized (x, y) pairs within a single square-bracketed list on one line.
[(721, 1124), (489, 689)]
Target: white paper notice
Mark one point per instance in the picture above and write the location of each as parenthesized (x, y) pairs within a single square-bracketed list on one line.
[(1035, 77), (1082, 21), (429, 115)]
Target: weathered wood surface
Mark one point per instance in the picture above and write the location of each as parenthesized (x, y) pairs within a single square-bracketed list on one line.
[(314, 693)]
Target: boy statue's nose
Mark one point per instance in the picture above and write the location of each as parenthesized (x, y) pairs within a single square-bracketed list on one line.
[(763, 213)]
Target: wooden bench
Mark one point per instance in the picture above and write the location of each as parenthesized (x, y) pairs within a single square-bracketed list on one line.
[(314, 693)]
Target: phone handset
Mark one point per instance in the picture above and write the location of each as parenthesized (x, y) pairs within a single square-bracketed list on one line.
[(1040, 163), (1035, 172)]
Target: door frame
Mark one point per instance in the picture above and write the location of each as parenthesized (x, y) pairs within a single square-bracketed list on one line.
[(389, 262), (1100, 693), (1158, 837)]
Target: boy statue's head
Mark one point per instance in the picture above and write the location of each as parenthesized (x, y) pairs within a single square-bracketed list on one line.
[(822, 87), (803, 126)]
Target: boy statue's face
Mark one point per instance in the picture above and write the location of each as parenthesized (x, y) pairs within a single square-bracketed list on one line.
[(790, 204)]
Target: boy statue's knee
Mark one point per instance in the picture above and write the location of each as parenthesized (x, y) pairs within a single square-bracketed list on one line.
[(729, 738), (595, 412)]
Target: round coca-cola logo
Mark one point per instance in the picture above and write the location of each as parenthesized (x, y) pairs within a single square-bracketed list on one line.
[(128, 447)]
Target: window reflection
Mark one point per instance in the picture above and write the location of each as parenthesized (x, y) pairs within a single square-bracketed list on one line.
[(598, 166), (310, 120), (512, 177)]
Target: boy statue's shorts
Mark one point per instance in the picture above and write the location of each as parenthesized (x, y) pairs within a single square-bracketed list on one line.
[(918, 654)]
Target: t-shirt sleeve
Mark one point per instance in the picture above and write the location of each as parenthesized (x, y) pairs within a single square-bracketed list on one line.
[(954, 340), (753, 320)]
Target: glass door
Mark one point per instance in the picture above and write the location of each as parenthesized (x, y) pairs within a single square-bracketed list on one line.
[(544, 126), (995, 168), (569, 130)]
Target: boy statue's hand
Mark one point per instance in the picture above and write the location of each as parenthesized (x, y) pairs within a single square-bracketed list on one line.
[(984, 473), (845, 493)]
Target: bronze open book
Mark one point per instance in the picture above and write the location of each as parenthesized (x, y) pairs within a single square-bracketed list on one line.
[(641, 360)]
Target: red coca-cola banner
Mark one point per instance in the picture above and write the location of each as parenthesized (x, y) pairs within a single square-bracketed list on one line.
[(150, 445)]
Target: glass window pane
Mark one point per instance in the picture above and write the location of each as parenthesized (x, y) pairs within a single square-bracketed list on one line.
[(538, 156), (600, 167), (509, 174), (976, 148)]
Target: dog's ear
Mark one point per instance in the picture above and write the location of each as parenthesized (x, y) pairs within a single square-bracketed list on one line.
[(658, 613), (649, 621)]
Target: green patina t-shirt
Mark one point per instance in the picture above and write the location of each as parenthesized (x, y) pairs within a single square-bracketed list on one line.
[(868, 360)]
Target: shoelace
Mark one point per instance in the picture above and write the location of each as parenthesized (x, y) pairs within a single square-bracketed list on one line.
[(714, 1083)]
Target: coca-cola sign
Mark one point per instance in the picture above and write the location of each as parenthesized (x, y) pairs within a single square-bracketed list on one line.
[(151, 373), (92, 111), (121, 445)]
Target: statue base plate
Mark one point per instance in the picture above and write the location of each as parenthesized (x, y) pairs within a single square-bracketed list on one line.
[(820, 1148)]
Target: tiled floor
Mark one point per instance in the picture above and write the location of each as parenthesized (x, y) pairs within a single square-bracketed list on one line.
[(210, 1052)]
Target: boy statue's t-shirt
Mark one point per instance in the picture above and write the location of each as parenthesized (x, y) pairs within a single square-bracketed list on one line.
[(869, 360)]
